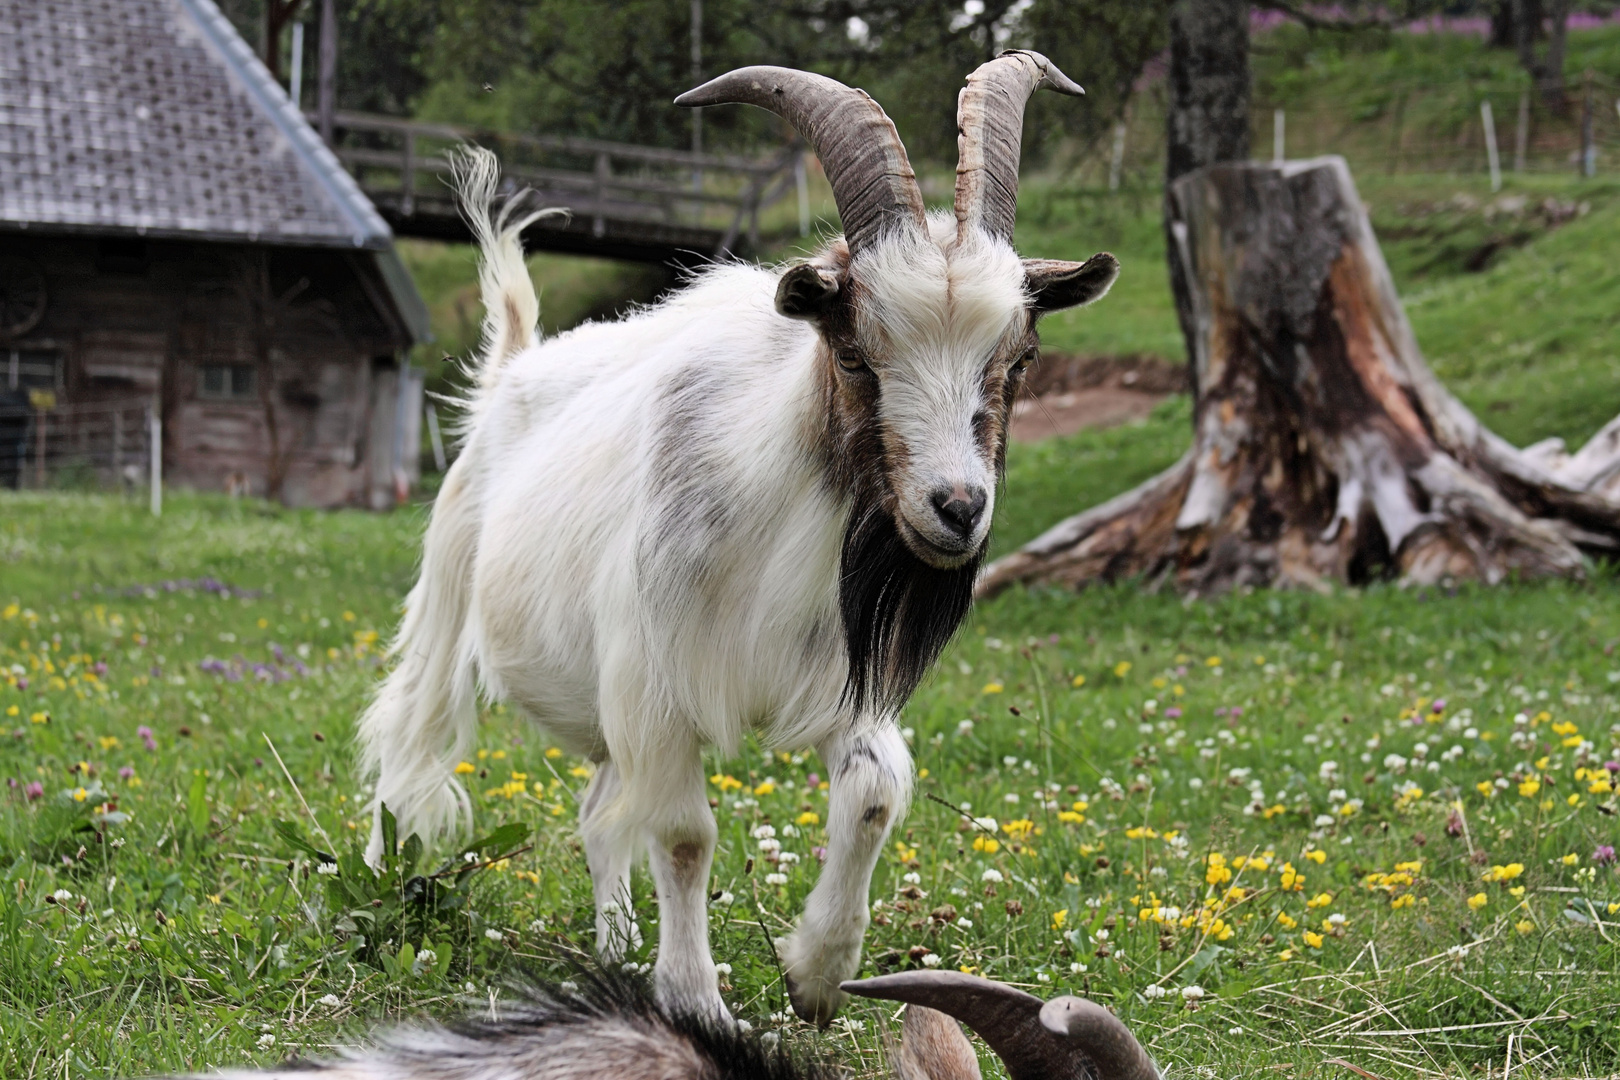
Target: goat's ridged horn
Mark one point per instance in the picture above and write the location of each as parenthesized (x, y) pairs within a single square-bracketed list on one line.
[(1013, 1024), (1101, 1036), (866, 164), (989, 135)]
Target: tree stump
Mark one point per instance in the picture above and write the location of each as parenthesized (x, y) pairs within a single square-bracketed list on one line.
[(1324, 449)]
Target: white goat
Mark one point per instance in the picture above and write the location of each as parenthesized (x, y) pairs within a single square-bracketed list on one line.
[(758, 506)]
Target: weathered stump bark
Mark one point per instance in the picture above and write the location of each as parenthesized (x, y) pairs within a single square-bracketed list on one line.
[(1324, 449)]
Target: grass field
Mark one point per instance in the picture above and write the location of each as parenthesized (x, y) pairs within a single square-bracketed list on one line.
[(1273, 831)]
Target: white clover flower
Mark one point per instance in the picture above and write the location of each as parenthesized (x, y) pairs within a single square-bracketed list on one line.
[(1336, 919), (1322, 821), (1011, 798), (330, 869), (494, 934), (1101, 934), (1338, 794), (267, 1039), (993, 876), (722, 969), (725, 899), (987, 824), (908, 734), (776, 879), (1159, 872), (931, 960), (1394, 763), (1077, 968), (964, 728), (1234, 1031), (789, 830), (1192, 993), (763, 832), (469, 856), (1471, 733), (61, 896), (787, 858), (1195, 783), (1041, 976), (1010, 760), (538, 926), (1326, 770), (911, 877), (1154, 991), (1420, 751), (329, 1000), (769, 846), (964, 923)]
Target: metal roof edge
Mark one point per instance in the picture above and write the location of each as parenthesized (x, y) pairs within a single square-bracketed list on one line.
[(370, 230), (402, 291)]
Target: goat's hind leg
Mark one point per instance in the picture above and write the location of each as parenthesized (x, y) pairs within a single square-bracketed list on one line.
[(870, 787), (610, 848)]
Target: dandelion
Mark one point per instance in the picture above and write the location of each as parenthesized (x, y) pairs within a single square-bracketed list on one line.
[(1477, 901), (463, 768), (809, 817)]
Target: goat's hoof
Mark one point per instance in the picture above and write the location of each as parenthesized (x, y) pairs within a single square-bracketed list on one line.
[(815, 1002)]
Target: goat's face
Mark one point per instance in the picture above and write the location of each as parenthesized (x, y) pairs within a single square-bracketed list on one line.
[(924, 344)]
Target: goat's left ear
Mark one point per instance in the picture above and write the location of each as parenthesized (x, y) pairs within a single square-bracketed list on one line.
[(1055, 284), (806, 291)]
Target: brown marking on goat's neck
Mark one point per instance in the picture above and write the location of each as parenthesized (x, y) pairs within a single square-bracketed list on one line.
[(1002, 381), (853, 444)]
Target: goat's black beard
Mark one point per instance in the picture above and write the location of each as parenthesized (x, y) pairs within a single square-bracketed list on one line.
[(899, 612)]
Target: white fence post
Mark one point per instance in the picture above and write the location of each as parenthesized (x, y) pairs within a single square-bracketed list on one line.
[(1495, 162), (1279, 131), (155, 437), (435, 436), (1117, 162)]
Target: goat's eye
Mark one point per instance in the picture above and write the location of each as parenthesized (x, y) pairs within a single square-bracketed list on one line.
[(850, 361), (1023, 362)]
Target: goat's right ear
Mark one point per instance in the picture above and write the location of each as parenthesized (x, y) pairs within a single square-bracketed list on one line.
[(932, 1047), (806, 291)]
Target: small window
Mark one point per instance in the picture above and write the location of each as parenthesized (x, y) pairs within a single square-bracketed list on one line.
[(229, 382), (32, 369)]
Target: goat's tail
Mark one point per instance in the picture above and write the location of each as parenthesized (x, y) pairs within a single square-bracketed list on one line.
[(511, 308), (424, 717)]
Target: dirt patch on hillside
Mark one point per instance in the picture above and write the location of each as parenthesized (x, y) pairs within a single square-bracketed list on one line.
[(1067, 393)]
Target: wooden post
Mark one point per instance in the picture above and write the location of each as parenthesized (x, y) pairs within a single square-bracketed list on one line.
[(1324, 449), (407, 181), (1493, 162), (1279, 130), (326, 76), (1588, 144), (1116, 160), (603, 172), (155, 457), (1521, 136), (435, 436)]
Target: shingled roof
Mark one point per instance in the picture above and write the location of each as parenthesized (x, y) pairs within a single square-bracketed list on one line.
[(153, 117)]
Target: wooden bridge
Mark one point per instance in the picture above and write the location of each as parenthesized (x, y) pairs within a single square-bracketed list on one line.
[(638, 203)]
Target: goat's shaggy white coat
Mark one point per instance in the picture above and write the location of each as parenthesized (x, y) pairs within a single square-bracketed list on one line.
[(639, 548)]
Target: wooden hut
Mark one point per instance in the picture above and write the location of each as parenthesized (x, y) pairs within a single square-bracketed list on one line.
[(174, 236)]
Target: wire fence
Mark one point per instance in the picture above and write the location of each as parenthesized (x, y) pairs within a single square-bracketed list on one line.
[(93, 445), (1486, 127)]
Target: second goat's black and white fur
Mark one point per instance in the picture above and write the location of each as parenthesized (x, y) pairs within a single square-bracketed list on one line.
[(757, 506), (608, 1027)]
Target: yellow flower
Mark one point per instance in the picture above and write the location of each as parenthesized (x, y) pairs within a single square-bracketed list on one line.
[(1601, 786), (992, 688), (1213, 661), (1071, 817), (1404, 900), (725, 782), (1564, 728), (1524, 926), (1413, 867), (465, 767), (108, 741), (922, 774), (12, 710), (1317, 856), (987, 844), (498, 755), (79, 794), (765, 787), (1570, 860), (553, 753), (1503, 873), (1272, 811), (1059, 917), (1574, 800), (579, 772), (1286, 954), (1485, 788), (40, 718), (809, 817), (1122, 668), (213, 898), (1078, 681), (1313, 939), (1259, 660), (1319, 900), (348, 616), (1478, 900), (483, 754), (1291, 880), (1516, 891), (1140, 831), (1528, 788), (1288, 922)]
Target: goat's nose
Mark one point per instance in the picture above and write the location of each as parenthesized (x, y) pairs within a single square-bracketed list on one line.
[(960, 507)]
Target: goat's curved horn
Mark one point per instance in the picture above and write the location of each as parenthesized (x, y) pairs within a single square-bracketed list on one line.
[(866, 164), (989, 135), (1015, 1025)]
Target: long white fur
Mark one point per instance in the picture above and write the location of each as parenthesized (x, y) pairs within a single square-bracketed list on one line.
[(552, 574)]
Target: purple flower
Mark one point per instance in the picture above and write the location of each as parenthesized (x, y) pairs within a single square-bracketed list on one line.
[(35, 790), (125, 773), (1612, 766), (1221, 711), (100, 668), (22, 683), (1181, 670), (1439, 705), (143, 732), (814, 780), (1173, 712), (1053, 639), (1236, 710), (1603, 854), (820, 853)]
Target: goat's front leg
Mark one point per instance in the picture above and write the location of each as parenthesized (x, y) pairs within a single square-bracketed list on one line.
[(681, 834), (870, 786)]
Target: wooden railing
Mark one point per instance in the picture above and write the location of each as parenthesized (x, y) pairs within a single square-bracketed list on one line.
[(617, 188)]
